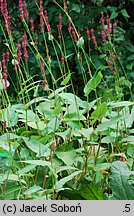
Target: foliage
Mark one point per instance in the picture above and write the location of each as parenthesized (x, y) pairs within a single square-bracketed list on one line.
[(67, 108)]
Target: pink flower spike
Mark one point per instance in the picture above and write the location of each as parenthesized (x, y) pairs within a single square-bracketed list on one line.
[(114, 56), (102, 20), (69, 26), (7, 56), (88, 34), (21, 10), (111, 64), (32, 25), (103, 34), (26, 55), (74, 36), (19, 52), (44, 83), (42, 68), (25, 10), (60, 22)]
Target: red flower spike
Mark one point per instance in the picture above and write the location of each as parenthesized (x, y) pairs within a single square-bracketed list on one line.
[(25, 10), (102, 20), (42, 68), (32, 25), (25, 42), (111, 64), (21, 10), (44, 83), (74, 36), (69, 26), (19, 54), (114, 56), (47, 22), (93, 37), (103, 34), (63, 59), (7, 56)]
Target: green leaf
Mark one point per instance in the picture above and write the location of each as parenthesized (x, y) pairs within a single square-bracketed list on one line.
[(38, 162), (91, 191), (26, 169), (56, 92), (37, 147), (67, 157), (32, 190), (101, 167), (86, 132), (131, 58), (53, 124), (63, 168), (121, 186), (9, 115), (61, 182), (63, 134), (129, 139), (93, 83), (113, 15), (109, 123), (11, 177), (74, 117), (120, 104), (125, 13), (11, 192), (80, 42), (99, 112), (66, 80)]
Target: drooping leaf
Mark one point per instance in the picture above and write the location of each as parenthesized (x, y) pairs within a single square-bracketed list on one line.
[(26, 169), (66, 80), (93, 83), (125, 13), (121, 104), (32, 190), (61, 182)]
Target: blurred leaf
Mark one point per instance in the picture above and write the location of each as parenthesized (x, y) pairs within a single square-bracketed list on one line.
[(26, 169), (125, 13), (93, 83), (32, 190), (61, 182), (113, 15), (99, 112), (67, 157), (37, 147), (122, 187), (66, 80)]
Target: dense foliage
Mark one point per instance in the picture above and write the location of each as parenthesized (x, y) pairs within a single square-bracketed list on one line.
[(67, 100)]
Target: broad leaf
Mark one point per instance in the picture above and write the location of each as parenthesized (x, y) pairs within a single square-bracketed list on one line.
[(122, 187), (93, 83), (66, 80), (61, 182)]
